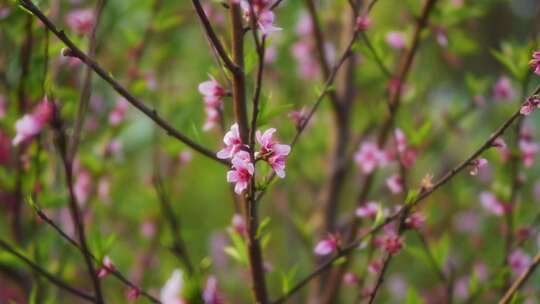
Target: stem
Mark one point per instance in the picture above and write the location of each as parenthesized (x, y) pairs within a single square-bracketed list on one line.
[(117, 274), (256, 263), (507, 298), (347, 250), (74, 51), (51, 278), (86, 90)]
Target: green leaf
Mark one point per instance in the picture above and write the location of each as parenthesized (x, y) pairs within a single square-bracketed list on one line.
[(413, 297)]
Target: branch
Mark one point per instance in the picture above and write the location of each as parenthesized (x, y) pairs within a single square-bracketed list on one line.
[(507, 298), (117, 274), (347, 250), (234, 68), (51, 278), (74, 51), (86, 91)]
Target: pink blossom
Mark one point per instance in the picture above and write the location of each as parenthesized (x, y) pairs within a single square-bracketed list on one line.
[(80, 21), (408, 157), (369, 157), (233, 143), (395, 183), (393, 244), (441, 37), (212, 118), (401, 140), (326, 246), (104, 189), (185, 157), (363, 22), (529, 105), (273, 152), (83, 186), (375, 266), (238, 224), (535, 62), (106, 268), (31, 124), (528, 151), (303, 51), (351, 278), (133, 294), (415, 221), (241, 172), (396, 40), (298, 117), (211, 88), (490, 202), (476, 164), (171, 293), (265, 17), (503, 90), (148, 228), (519, 261), (304, 26), (369, 210), (118, 113), (211, 294)]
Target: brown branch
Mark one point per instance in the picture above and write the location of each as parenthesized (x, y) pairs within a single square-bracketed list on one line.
[(347, 250), (256, 263), (51, 278), (74, 51), (86, 90), (393, 105), (507, 298), (116, 273), (232, 66)]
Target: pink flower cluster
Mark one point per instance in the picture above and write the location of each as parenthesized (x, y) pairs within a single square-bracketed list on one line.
[(492, 204), (31, 124), (271, 151), (369, 157), (213, 93), (503, 89), (106, 268), (263, 13), (527, 147)]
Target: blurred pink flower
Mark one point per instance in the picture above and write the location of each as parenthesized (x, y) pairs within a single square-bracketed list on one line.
[(518, 261), (80, 21), (104, 189), (304, 26), (265, 17), (369, 210), (415, 220), (133, 294), (242, 171), (396, 40), (106, 268), (31, 124), (503, 90), (272, 151), (238, 224), (233, 143), (535, 62), (369, 157), (3, 105), (211, 88), (211, 294), (441, 37), (171, 292), (528, 151), (393, 243), (185, 157), (375, 266), (395, 183), (298, 117), (83, 186), (363, 22), (490, 202), (326, 246), (350, 278), (476, 164), (529, 105), (118, 113)]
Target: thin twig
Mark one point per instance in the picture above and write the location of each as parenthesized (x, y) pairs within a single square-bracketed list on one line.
[(74, 51), (509, 294), (51, 278)]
